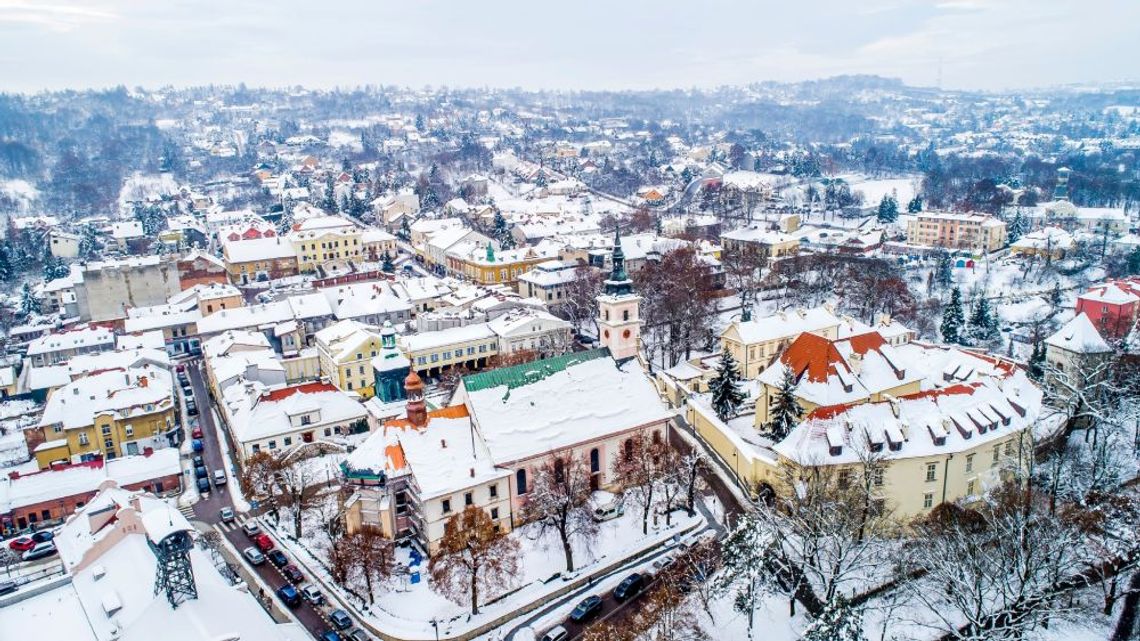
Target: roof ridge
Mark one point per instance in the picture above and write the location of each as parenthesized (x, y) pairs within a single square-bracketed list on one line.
[(527, 373)]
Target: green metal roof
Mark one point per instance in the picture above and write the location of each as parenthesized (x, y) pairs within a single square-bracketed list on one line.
[(527, 373)]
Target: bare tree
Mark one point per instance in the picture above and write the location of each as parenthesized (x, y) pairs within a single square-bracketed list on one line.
[(638, 469), (559, 501), (693, 466), (474, 556), (579, 304), (372, 555), (299, 489)]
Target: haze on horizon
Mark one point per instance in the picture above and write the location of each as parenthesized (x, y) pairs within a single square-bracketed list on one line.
[(628, 44)]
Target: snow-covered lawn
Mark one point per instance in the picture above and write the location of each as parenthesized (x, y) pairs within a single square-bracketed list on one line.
[(406, 608)]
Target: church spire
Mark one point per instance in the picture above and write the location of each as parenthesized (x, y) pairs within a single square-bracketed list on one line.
[(618, 283)]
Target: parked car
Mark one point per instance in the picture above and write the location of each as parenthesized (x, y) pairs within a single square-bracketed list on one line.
[(340, 619), (589, 608), (197, 445), (43, 536), (200, 472), (40, 551), (661, 563), (198, 461), (329, 635), (22, 543), (219, 477), (277, 558), (293, 573), (181, 367), (610, 510), (203, 486), (629, 587), (358, 635), (289, 595), (191, 409), (227, 515), (8, 587), (253, 555), (196, 433), (312, 594), (250, 528), (263, 542), (557, 633)]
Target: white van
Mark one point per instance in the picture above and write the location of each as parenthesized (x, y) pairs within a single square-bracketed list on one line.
[(610, 510)]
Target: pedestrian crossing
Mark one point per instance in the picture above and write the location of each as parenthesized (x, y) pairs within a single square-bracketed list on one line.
[(235, 524), (188, 512)]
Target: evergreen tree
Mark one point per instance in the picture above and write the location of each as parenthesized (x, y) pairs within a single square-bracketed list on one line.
[(1055, 297), (387, 265), (29, 304), (1037, 361), (953, 319), (5, 265), (405, 228), (658, 225), (839, 621), (943, 269), (501, 232), (420, 122), (54, 268), (915, 205), (727, 396), (785, 412), (329, 202), (540, 180), (1017, 227), (88, 243), (888, 209), (983, 323)]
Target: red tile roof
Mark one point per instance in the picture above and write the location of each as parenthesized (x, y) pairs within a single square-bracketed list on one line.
[(306, 388)]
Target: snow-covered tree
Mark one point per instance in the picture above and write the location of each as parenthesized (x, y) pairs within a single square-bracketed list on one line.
[(748, 557), (888, 209), (727, 397), (29, 304), (983, 323), (1017, 227), (5, 265), (953, 318), (943, 269), (559, 501), (915, 205), (1037, 361), (785, 411), (386, 264), (502, 232), (639, 469), (840, 621)]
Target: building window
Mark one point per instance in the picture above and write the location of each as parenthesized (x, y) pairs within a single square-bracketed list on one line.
[(595, 461), (482, 348), (328, 431), (421, 360), (435, 358), (272, 445), (494, 514), (83, 440), (306, 419), (997, 453), (877, 476), (520, 482), (288, 441), (1009, 448), (931, 472), (928, 500), (969, 462), (494, 491), (844, 480), (469, 499), (256, 448), (970, 488), (446, 505)]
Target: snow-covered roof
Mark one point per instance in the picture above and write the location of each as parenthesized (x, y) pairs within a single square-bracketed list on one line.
[(83, 337), (255, 249), (222, 343), (357, 300), (1079, 335), (1110, 293), (535, 408), (123, 393), (260, 415), (444, 337), (52, 484), (343, 338), (785, 324), (965, 415)]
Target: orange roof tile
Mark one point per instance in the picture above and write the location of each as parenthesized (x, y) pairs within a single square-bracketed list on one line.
[(453, 411), (306, 388)]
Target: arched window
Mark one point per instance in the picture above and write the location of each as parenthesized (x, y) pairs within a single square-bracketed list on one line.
[(606, 314), (520, 482), (595, 461), (627, 449), (656, 437), (625, 314), (559, 470)]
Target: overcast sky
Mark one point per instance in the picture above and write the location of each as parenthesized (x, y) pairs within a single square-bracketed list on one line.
[(604, 44)]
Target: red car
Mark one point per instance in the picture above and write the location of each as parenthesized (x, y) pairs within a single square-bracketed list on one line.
[(293, 574), (196, 433), (263, 542), (22, 543)]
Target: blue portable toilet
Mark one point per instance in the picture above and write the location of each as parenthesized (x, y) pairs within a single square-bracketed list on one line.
[(415, 578)]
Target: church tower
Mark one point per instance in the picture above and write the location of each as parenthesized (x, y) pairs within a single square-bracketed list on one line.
[(618, 322)]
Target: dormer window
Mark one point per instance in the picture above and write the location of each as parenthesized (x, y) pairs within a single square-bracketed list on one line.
[(835, 450)]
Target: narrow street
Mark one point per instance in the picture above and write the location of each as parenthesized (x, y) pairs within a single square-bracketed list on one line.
[(207, 513)]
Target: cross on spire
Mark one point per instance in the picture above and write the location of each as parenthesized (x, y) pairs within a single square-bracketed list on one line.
[(618, 283)]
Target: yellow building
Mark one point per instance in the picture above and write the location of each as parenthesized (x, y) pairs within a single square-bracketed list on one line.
[(345, 352), (485, 266), (772, 243), (978, 233), (946, 432), (321, 246), (110, 414), (755, 343)]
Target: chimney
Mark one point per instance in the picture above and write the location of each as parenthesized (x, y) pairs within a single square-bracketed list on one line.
[(143, 382), (14, 475), (472, 472)]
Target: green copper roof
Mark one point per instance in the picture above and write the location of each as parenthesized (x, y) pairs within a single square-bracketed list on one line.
[(527, 373)]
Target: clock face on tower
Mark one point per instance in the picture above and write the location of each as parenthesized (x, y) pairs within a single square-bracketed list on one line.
[(625, 334)]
